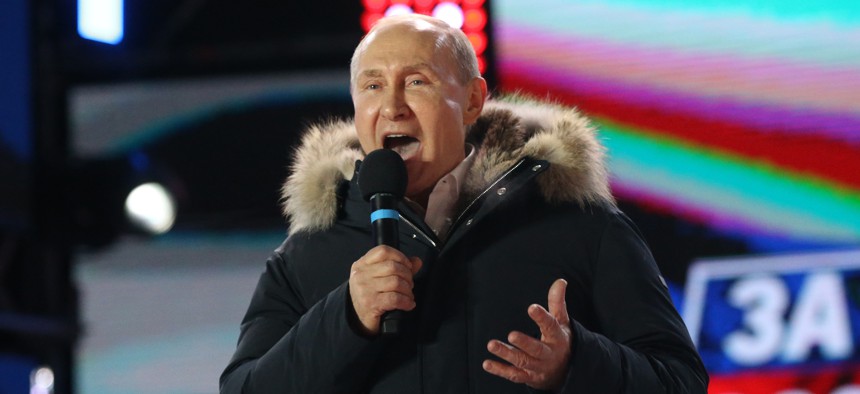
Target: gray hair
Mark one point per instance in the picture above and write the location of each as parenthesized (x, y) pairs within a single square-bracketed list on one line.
[(452, 39)]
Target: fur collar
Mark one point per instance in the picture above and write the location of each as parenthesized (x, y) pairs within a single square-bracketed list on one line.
[(508, 130)]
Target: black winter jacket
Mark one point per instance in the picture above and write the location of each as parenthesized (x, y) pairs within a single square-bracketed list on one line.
[(536, 208)]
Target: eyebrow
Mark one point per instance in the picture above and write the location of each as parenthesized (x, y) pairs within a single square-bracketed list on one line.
[(423, 66), (419, 66), (371, 73)]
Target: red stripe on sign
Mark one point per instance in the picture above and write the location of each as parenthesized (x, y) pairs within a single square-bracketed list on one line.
[(769, 382)]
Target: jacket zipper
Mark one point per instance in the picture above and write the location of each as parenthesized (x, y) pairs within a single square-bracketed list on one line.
[(419, 231), (492, 185)]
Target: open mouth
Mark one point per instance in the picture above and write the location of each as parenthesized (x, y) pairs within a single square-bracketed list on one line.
[(404, 145)]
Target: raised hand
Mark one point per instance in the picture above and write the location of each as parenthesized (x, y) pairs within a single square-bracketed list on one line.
[(541, 364)]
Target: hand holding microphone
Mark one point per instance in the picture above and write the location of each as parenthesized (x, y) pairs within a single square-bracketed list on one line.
[(380, 282)]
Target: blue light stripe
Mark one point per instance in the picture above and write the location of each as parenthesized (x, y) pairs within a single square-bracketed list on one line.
[(16, 128), (384, 214), (177, 117)]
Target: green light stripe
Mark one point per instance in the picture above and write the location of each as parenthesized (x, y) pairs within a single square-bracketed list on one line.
[(845, 11), (691, 30), (728, 185)]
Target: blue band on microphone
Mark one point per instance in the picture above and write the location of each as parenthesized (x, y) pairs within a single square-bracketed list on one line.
[(384, 214)]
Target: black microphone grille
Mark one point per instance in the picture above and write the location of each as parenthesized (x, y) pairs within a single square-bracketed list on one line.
[(382, 171)]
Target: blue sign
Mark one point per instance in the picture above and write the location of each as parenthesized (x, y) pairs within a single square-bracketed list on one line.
[(778, 320)]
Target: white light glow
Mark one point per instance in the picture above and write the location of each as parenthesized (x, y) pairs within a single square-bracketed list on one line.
[(451, 13), (398, 9), (42, 381), (101, 20), (151, 207)]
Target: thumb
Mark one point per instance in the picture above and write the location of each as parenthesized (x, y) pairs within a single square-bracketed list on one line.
[(416, 264), (556, 301)]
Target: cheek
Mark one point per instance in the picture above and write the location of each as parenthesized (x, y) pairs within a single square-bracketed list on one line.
[(367, 143), (364, 126), (365, 134)]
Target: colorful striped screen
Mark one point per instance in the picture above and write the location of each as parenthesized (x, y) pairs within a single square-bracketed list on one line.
[(744, 116)]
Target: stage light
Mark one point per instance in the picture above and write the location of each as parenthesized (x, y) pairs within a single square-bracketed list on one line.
[(375, 5), (151, 208), (468, 15), (42, 381), (398, 9), (475, 19), (368, 19), (424, 4), (101, 20), (115, 196), (451, 13), (479, 41)]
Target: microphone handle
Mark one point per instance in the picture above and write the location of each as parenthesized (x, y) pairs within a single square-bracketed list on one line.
[(386, 232)]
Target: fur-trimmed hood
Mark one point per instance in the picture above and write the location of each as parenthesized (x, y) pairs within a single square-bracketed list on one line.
[(507, 130)]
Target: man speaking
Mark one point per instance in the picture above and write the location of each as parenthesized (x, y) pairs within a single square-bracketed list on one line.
[(515, 271)]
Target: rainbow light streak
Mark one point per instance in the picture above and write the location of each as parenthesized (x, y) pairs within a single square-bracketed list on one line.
[(690, 31), (792, 139), (840, 12), (745, 117), (740, 193), (774, 81)]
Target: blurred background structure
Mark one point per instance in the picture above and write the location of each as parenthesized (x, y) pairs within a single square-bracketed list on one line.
[(733, 130)]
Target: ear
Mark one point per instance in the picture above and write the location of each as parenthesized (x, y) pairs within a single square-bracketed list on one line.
[(476, 95)]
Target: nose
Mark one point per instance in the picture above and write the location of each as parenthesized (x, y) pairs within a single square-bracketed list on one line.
[(394, 105)]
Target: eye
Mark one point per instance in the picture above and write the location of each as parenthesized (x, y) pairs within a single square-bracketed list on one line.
[(417, 82), (372, 86)]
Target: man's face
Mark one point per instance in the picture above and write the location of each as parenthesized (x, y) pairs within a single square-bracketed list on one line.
[(407, 98)]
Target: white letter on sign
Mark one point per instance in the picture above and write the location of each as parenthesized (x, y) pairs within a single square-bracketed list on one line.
[(764, 300), (820, 317)]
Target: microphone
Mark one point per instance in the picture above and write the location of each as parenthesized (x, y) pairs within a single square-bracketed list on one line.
[(382, 181)]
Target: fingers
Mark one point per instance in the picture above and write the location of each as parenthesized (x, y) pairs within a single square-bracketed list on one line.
[(538, 364), (556, 301), (542, 363), (388, 275), (416, 264), (384, 253), (554, 322), (530, 346), (523, 367), (381, 281), (524, 352), (383, 261), (550, 328), (508, 372)]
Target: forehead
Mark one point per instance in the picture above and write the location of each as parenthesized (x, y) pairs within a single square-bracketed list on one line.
[(414, 43), (415, 30)]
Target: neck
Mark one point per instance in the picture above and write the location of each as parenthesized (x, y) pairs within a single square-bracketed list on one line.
[(421, 198)]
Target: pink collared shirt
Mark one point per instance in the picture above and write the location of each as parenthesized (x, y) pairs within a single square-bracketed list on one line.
[(443, 199)]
